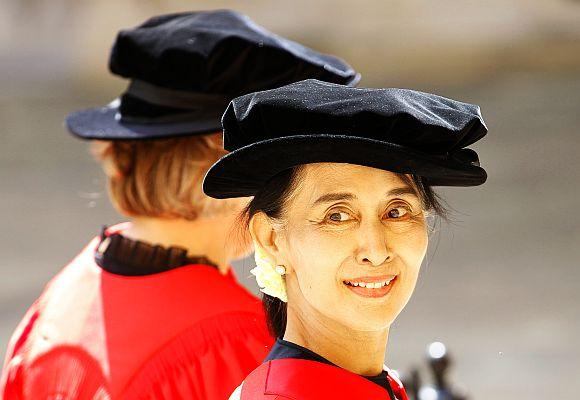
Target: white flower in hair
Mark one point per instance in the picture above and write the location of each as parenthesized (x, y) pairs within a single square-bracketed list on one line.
[(269, 281)]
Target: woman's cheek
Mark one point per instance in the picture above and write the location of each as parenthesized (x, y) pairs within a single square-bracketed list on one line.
[(412, 245), (412, 251), (303, 258), (316, 259), (311, 245)]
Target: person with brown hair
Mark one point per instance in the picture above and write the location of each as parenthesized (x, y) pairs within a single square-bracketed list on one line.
[(157, 183), (151, 309)]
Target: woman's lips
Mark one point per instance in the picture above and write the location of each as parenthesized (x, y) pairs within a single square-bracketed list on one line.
[(377, 286)]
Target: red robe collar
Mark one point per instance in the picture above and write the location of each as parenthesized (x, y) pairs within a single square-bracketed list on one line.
[(304, 380)]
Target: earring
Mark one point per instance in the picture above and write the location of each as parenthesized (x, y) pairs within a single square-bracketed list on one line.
[(280, 269)]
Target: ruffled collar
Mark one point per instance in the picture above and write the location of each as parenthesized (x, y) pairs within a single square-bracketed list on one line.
[(120, 255)]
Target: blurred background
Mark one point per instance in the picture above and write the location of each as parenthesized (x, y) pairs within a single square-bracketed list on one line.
[(501, 286)]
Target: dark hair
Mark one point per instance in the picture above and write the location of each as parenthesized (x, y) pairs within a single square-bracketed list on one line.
[(271, 200)]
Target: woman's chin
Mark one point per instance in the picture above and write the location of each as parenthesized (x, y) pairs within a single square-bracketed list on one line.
[(369, 321)]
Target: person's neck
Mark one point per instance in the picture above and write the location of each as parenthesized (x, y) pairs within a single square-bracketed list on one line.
[(360, 352), (205, 237)]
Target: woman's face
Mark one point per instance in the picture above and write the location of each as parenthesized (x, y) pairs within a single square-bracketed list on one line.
[(352, 241)]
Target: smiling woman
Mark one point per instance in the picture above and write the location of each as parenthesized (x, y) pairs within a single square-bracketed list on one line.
[(348, 235), (401, 204), (341, 220)]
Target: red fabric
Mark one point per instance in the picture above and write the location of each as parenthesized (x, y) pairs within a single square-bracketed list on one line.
[(187, 333), (305, 380)]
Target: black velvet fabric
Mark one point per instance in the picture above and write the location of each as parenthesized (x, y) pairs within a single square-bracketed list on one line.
[(192, 65), (220, 51), (399, 130)]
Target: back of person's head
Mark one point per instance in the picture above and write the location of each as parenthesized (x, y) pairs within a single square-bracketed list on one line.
[(162, 178)]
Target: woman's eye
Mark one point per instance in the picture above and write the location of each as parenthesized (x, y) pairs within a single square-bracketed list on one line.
[(338, 216), (398, 212)]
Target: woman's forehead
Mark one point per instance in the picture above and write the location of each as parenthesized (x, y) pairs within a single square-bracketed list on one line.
[(340, 172), (321, 178)]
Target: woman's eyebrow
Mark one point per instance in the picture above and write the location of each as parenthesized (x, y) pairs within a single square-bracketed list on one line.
[(401, 191), (326, 198), (329, 197)]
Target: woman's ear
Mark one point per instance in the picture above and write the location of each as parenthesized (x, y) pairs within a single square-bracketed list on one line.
[(103, 152), (263, 235)]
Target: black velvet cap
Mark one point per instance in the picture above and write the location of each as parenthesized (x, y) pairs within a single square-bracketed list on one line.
[(398, 130), (185, 68)]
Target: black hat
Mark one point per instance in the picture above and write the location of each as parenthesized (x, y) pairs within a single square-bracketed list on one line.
[(185, 68), (398, 130)]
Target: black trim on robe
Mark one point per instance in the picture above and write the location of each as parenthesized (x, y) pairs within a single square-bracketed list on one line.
[(122, 256), (284, 349)]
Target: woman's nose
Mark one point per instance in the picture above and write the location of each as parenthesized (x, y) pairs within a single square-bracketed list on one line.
[(373, 246)]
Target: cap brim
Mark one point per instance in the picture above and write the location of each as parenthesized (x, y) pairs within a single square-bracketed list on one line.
[(103, 123), (354, 81), (244, 171)]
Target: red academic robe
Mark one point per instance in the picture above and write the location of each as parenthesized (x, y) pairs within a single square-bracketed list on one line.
[(295, 379), (186, 333)]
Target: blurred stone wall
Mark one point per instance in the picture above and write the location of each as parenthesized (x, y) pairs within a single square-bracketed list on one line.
[(413, 41)]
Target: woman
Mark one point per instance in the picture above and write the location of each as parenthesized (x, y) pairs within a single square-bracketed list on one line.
[(341, 179), (151, 308)]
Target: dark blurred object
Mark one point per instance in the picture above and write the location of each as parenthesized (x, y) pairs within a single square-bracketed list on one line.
[(439, 362), (412, 383)]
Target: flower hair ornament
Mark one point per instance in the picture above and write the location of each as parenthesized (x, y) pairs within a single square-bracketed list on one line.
[(270, 279)]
